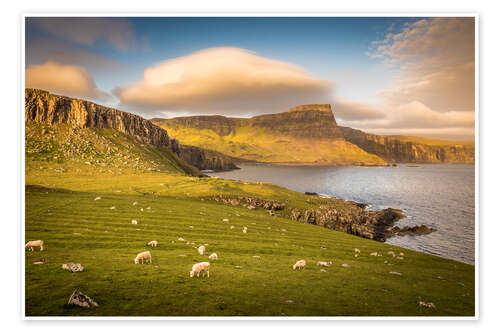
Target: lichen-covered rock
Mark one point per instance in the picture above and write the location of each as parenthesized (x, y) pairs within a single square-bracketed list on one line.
[(73, 267), (82, 300)]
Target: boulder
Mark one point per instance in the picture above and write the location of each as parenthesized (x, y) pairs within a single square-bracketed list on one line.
[(73, 267), (82, 300)]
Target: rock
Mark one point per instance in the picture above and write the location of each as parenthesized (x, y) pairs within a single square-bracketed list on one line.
[(310, 193), (345, 265), (38, 263), (239, 267), (415, 230), (73, 267), (323, 270), (82, 300)]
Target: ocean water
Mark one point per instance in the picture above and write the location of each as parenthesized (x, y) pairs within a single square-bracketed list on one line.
[(440, 196)]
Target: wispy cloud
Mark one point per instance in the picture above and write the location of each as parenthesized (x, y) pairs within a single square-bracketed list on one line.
[(117, 32)]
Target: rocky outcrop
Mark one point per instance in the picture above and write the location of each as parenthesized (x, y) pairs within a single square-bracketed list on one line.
[(393, 149), (44, 107), (355, 220), (205, 159)]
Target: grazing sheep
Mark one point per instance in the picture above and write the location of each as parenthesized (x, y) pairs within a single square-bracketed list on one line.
[(143, 256), (153, 243), (401, 254), (357, 251), (180, 239), (135, 203), (299, 264), (201, 267), (392, 253), (32, 244), (134, 221), (98, 198), (112, 207), (375, 254), (213, 256), (324, 263), (232, 227), (225, 220), (201, 250), (245, 230)]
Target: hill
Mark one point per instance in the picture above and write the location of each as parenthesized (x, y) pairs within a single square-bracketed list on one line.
[(411, 149), (306, 135), (64, 119)]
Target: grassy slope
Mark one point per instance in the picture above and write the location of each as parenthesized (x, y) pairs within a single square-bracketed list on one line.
[(61, 210), (259, 145)]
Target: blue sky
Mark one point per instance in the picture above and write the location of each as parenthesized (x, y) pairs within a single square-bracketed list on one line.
[(335, 54)]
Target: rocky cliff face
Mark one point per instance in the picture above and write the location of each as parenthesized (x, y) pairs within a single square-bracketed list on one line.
[(394, 150), (205, 159), (44, 107)]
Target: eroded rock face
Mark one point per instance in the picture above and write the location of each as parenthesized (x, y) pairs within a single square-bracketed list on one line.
[(392, 149), (44, 107), (82, 300)]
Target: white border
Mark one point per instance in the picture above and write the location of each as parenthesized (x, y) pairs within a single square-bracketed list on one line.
[(267, 13)]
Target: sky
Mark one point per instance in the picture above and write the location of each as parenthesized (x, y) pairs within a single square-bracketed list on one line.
[(384, 75)]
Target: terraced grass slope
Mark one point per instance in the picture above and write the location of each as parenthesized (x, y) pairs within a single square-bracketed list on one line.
[(306, 135), (61, 209)]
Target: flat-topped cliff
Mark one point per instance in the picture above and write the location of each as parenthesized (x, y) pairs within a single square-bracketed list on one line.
[(304, 135)]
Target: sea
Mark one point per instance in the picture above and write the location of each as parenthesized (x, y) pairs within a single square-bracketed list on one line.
[(440, 196)]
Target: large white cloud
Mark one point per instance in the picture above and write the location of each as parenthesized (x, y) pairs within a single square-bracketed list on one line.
[(227, 81), (68, 80)]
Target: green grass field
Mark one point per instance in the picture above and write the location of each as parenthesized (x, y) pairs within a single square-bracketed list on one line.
[(77, 228), (62, 211)]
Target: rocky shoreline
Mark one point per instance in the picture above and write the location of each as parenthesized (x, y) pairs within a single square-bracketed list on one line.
[(355, 220)]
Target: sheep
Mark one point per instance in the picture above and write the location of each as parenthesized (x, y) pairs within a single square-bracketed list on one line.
[(225, 220), (134, 221), (429, 305), (375, 254), (143, 256), (153, 243), (201, 267), (357, 251), (201, 250), (135, 203), (392, 253), (324, 263), (299, 264), (213, 256), (244, 230), (32, 244), (97, 198)]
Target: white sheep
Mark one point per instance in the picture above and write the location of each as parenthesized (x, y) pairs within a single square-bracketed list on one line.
[(325, 263), (201, 250), (153, 243), (32, 244), (244, 230), (201, 267), (299, 264), (134, 221), (357, 251), (143, 256), (392, 253), (213, 256)]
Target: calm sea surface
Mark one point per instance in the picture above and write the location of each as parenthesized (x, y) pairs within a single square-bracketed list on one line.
[(439, 196)]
